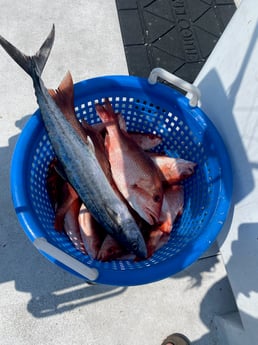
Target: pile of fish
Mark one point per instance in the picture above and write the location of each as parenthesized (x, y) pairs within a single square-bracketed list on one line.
[(148, 183), (111, 195)]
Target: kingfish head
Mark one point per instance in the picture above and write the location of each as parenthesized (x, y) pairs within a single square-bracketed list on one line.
[(136, 241), (127, 231)]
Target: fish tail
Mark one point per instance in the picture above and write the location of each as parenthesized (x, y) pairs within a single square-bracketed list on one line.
[(29, 63), (106, 112)]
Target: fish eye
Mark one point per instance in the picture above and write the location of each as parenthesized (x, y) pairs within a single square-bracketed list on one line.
[(135, 246)]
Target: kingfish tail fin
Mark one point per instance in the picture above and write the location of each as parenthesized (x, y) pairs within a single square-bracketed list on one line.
[(42, 54), (28, 63)]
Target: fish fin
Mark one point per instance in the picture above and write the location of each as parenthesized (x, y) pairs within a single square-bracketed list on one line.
[(64, 99), (64, 95), (103, 114), (28, 63), (108, 107), (42, 54), (23, 60), (106, 112)]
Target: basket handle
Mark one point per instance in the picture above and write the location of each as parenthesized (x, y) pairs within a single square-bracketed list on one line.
[(178, 82), (89, 273)]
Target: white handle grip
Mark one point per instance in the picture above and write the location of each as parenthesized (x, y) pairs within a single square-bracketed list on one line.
[(178, 82), (89, 273)]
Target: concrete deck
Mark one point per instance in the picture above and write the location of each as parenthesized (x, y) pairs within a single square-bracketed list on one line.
[(233, 79), (39, 302)]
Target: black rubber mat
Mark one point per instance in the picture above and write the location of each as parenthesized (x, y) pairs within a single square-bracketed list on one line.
[(177, 35)]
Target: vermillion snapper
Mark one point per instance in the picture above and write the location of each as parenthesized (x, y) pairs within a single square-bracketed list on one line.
[(135, 174)]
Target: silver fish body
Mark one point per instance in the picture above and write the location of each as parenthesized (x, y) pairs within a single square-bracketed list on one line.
[(77, 157)]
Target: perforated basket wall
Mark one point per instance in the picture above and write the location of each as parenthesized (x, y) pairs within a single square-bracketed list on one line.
[(186, 132)]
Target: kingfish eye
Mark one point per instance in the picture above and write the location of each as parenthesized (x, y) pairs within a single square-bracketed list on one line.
[(135, 246)]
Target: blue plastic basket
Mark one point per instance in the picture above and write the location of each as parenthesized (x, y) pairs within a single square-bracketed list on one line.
[(186, 131)]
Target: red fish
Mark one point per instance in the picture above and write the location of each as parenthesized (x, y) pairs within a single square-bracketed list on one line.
[(155, 240), (91, 232), (172, 207), (54, 184), (61, 194), (71, 225), (146, 141), (66, 204), (134, 172), (173, 170), (110, 249), (68, 195)]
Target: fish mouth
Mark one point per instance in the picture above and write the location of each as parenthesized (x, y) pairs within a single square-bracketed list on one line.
[(150, 215)]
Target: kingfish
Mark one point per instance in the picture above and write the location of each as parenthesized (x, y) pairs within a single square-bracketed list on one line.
[(77, 156)]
